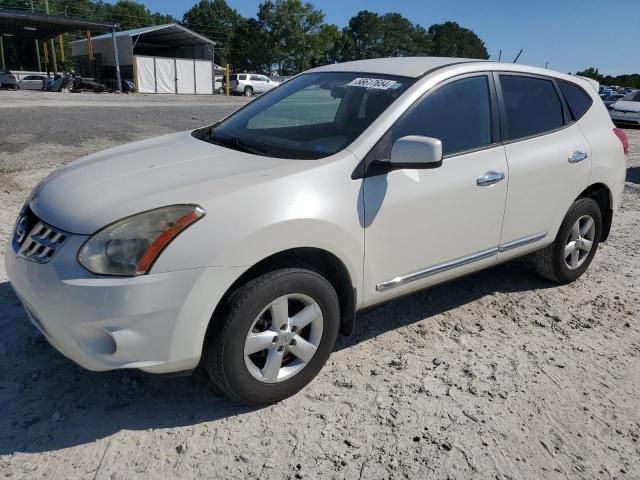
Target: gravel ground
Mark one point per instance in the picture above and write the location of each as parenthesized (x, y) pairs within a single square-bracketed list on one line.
[(497, 375)]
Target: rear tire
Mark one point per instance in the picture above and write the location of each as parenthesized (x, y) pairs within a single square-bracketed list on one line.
[(299, 344), (248, 92), (569, 256)]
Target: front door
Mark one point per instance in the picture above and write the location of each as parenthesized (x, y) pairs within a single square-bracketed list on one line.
[(424, 226)]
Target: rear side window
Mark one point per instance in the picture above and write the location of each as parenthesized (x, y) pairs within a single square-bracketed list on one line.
[(577, 99), (242, 77), (458, 114), (532, 106)]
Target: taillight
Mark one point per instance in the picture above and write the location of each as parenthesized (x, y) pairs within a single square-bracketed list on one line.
[(623, 139)]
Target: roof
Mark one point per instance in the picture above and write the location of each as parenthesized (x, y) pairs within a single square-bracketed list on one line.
[(403, 66), (170, 32), (36, 25)]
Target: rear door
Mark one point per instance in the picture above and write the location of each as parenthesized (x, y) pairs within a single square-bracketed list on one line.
[(548, 156)]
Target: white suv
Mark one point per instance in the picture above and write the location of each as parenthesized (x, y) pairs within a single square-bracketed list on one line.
[(247, 246), (249, 84)]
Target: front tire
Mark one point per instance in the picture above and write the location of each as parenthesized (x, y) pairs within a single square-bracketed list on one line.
[(569, 256), (273, 336)]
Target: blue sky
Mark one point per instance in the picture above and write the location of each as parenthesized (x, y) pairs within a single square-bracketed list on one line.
[(569, 34)]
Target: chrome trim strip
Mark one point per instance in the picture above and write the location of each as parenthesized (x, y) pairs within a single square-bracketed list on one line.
[(458, 262), (443, 267), (520, 242)]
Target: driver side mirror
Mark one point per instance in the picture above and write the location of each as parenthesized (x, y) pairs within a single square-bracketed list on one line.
[(416, 152)]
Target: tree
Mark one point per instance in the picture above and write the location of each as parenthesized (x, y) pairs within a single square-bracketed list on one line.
[(215, 20), (130, 14), (293, 30), (365, 33), (451, 40), (248, 47), (370, 35), (592, 73)]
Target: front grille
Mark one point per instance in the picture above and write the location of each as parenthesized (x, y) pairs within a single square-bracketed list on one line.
[(35, 240)]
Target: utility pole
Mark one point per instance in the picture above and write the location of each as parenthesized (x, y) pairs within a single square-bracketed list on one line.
[(117, 59), (2, 52), (35, 41), (52, 47)]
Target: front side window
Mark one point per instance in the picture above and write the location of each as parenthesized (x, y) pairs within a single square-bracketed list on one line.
[(457, 113), (311, 116), (532, 106), (577, 99)]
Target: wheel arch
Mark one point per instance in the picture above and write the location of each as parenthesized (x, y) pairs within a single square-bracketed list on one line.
[(601, 194), (319, 260)]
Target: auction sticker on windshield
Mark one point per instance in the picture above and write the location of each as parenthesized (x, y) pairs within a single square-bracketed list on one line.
[(377, 83)]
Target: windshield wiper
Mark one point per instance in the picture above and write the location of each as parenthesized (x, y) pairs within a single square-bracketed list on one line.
[(237, 144)]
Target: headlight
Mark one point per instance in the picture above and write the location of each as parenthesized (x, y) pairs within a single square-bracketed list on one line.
[(131, 245)]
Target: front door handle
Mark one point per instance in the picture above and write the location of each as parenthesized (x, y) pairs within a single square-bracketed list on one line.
[(578, 156), (490, 178)]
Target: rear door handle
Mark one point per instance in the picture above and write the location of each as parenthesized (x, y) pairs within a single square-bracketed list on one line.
[(490, 178), (578, 156)]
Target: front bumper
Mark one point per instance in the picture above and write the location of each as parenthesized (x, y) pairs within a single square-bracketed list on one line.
[(154, 322)]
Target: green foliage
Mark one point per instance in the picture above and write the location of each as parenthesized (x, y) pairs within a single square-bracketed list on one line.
[(626, 80), (370, 35), (216, 20), (451, 40), (293, 30)]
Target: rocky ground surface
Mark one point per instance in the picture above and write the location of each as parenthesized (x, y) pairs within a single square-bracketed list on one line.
[(497, 375)]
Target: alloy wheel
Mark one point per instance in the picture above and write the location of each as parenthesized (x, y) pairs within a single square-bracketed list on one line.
[(283, 338), (580, 242)]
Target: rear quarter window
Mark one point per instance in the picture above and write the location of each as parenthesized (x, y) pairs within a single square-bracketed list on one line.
[(578, 100)]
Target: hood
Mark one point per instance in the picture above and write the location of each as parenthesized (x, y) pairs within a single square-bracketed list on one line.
[(101, 188), (626, 106)]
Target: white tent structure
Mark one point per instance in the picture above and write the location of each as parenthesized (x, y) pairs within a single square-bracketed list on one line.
[(158, 59)]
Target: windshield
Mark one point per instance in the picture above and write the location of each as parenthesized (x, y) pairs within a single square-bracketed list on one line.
[(311, 116), (632, 97)]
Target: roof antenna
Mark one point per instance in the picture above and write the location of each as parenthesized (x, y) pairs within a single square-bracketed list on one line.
[(518, 56), (500, 55)]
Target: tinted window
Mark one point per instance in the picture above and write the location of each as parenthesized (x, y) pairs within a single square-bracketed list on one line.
[(577, 99), (532, 105), (256, 78), (242, 77), (458, 114)]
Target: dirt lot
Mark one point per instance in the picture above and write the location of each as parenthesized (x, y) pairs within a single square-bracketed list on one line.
[(498, 375)]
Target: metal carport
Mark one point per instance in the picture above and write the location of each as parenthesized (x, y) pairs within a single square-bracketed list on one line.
[(159, 58), (34, 26)]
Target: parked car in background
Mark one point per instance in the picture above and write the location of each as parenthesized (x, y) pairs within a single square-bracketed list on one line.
[(240, 246), (8, 80), (32, 82), (609, 100), (249, 84), (626, 111)]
